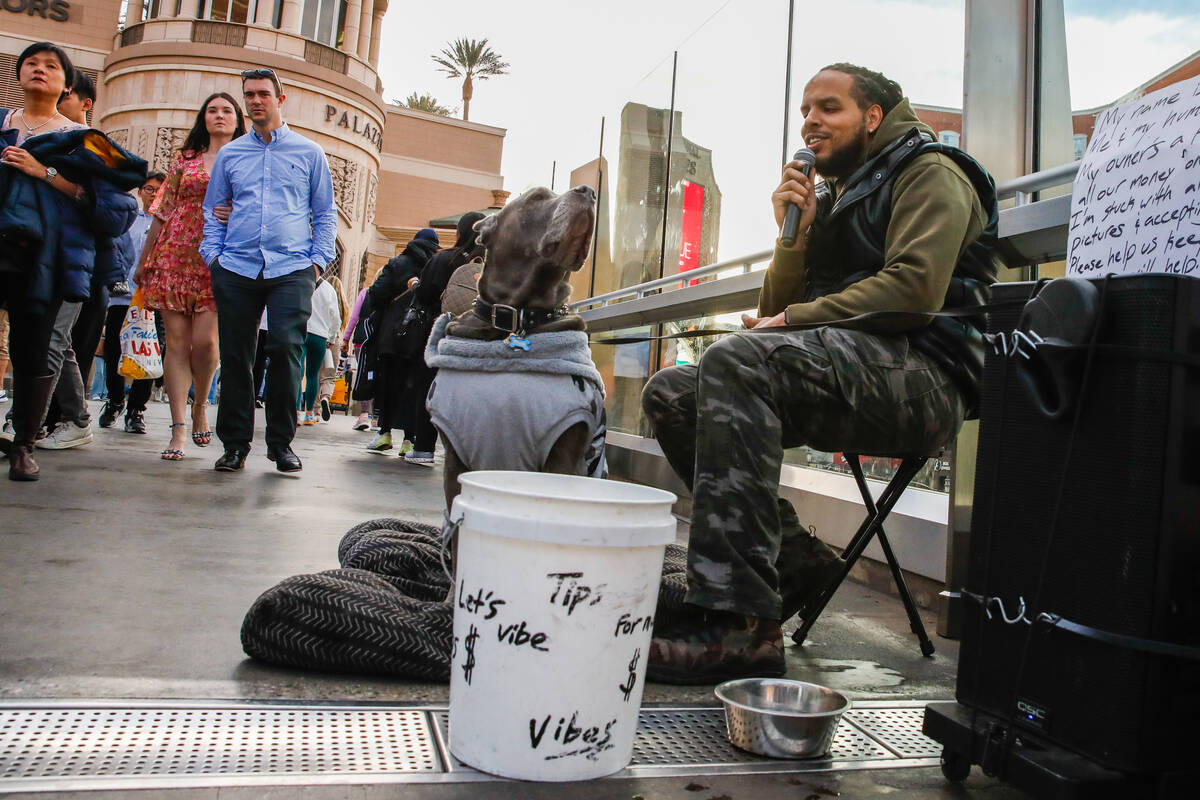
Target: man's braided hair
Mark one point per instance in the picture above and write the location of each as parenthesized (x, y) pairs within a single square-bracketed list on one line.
[(870, 88)]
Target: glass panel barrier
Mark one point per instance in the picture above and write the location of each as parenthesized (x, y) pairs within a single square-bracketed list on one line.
[(636, 133), (625, 369), (727, 147)]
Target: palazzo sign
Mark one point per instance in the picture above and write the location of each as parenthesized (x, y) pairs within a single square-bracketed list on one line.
[(350, 122), (57, 10)]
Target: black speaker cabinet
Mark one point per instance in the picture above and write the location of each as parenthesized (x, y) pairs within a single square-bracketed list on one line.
[(1125, 552)]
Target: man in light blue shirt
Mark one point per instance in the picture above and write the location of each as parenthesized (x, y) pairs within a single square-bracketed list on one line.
[(279, 237)]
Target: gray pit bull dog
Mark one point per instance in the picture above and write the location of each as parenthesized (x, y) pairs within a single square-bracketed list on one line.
[(532, 245)]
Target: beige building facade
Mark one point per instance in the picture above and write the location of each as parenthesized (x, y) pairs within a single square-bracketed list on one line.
[(394, 169)]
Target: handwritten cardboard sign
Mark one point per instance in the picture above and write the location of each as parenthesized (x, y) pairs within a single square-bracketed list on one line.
[(1136, 203)]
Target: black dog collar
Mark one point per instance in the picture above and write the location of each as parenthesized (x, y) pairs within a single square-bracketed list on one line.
[(511, 319)]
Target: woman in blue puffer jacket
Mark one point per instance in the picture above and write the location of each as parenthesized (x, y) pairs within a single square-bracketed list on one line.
[(60, 183)]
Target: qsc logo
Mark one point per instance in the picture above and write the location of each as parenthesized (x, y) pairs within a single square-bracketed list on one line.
[(1032, 713)]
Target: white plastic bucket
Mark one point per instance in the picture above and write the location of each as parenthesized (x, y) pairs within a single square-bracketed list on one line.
[(555, 590)]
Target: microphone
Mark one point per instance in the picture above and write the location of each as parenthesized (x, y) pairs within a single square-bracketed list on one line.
[(791, 219)]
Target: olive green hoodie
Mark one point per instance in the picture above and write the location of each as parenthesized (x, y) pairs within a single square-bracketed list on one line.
[(935, 215)]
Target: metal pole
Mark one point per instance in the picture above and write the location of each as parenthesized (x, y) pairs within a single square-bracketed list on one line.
[(656, 351), (787, 80), (599, 190), (553, 171), (662, 251)]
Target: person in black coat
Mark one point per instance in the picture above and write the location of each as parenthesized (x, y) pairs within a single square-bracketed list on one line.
[(386, 304), (427, 294)]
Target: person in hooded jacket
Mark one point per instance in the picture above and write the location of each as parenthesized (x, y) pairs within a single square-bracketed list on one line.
[(387, 303), (900, 226), (427, 293), (62, 185)]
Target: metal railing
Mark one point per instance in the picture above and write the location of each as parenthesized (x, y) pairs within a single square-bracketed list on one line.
[(745, 264), (1020, 188)]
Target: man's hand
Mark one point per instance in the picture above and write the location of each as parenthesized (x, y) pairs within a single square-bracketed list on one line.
[(20, 158), (795, 187), (764, 322), (319, 271), (222, 213)]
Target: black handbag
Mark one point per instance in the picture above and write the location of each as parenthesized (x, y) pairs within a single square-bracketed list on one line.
[(413, 331), (364, 376)]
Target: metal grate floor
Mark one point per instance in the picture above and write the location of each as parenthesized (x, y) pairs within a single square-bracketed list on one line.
[(124, 744)]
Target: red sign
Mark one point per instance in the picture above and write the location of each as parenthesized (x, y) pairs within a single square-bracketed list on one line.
[(690, 227)]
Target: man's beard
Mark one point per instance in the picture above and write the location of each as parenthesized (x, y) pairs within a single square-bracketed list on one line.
[(841, 162)]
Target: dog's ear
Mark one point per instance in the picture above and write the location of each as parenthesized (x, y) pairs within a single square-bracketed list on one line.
[(486, 228)]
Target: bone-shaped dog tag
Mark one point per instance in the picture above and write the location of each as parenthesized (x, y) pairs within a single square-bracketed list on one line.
[(518, 344)]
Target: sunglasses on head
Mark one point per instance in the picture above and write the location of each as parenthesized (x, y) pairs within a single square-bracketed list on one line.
[(261, 72)]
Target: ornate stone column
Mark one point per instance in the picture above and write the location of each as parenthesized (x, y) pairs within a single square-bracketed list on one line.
[(291, 17), (353, 20), (264, 13), (364, 27), (376, 34)]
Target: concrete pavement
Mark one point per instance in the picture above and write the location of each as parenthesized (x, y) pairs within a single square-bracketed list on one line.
[(125, 576)]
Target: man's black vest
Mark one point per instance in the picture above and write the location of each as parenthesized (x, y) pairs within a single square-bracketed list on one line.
[(846, 245)]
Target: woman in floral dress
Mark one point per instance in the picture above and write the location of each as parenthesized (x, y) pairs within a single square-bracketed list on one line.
[(174, 279)]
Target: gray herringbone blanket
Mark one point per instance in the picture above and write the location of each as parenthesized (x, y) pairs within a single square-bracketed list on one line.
[(384, 612)]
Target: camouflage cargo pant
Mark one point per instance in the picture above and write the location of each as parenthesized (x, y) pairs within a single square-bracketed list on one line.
[(725, 423)]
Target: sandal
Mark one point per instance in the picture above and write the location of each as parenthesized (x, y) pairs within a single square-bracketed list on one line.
[(200, 438), (171, 454)]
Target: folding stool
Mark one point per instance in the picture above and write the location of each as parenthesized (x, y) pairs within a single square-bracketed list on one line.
[(872, 527)]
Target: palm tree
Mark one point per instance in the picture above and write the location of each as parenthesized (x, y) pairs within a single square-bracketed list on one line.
[(427, 103), (467, 59)]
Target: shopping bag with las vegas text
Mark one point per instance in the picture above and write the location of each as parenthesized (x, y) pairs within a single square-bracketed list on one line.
[(141, 357)]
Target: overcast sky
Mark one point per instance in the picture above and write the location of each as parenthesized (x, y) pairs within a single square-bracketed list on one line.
[(574, 62)]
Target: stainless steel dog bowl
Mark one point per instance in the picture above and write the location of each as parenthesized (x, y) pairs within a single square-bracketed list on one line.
[(781, 719)]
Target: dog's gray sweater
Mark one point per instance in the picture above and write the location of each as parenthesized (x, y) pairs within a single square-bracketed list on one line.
[(504, 408)]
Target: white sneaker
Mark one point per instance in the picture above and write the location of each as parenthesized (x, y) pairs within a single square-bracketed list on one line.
[(65, 436), (363, 423), (419, 458), (7, 431), (3, 396)]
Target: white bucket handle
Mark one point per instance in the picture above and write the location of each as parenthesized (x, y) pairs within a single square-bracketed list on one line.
[(449, 531)]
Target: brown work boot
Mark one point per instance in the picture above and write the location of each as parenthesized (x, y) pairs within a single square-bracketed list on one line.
[(712, 646), (806, 568)]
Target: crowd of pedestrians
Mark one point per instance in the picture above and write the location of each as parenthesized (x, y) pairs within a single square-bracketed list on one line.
[(397, 313), (228, 248)]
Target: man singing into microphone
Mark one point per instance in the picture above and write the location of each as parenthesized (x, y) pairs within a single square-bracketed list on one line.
[(900, 223)]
